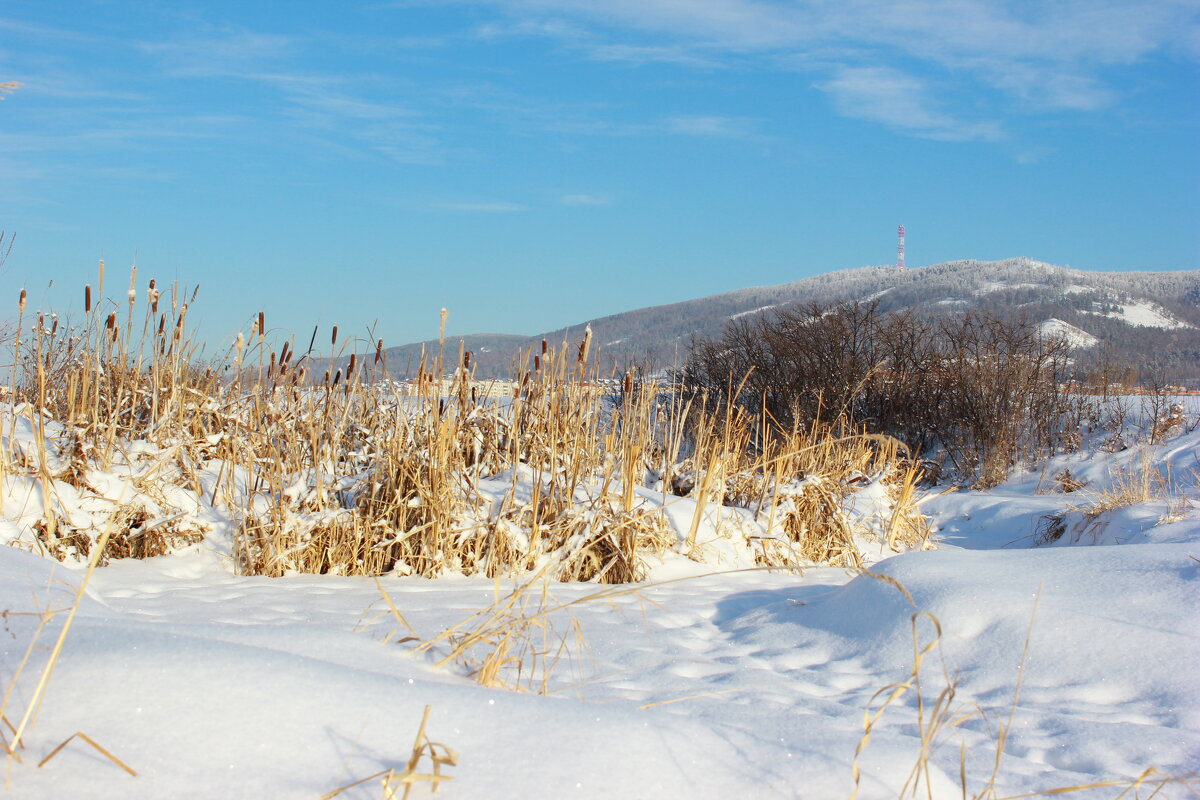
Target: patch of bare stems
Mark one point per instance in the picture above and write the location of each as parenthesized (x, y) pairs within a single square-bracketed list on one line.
[(982, 392)]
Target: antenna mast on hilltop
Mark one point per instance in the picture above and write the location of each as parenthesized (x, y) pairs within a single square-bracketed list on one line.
[(900, 249)]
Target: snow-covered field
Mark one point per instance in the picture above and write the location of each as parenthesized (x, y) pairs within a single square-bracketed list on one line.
[(744, 683)]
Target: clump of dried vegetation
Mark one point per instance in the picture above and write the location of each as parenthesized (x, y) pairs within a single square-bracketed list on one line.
[(328, 465)]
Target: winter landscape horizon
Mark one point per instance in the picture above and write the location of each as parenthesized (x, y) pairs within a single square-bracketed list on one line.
[(483, 399)]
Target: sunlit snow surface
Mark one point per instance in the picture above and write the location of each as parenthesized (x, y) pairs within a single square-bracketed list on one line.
[(213, 685)]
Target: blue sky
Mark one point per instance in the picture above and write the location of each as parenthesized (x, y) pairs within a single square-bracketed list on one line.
[(533, 163)]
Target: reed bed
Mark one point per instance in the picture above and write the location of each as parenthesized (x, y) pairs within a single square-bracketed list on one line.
[(325, 464)]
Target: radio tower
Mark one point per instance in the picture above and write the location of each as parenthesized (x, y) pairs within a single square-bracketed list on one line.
[(900, 249)]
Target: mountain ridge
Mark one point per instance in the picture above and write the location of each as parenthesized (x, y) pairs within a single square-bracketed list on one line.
[(1135, 313)]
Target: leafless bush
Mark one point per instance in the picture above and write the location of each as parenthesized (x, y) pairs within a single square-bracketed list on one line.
[(982, 390)]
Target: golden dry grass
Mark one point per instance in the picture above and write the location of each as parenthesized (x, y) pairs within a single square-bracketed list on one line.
[(329, 466)]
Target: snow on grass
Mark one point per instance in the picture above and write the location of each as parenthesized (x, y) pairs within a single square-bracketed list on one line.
[(748, 683)]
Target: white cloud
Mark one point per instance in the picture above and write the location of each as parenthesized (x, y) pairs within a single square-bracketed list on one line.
[(585, 200), (483, 208), (716, 126), (1051, 56), (900, 101)]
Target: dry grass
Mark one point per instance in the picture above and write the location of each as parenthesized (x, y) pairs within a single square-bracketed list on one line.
[(939, 715), (397, 784), (329, 466), (13, 747)]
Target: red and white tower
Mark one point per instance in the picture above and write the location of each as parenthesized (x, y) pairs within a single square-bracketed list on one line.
[(900, 249)]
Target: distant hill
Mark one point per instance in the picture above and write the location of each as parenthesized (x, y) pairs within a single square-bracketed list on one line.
[(1130, 317)]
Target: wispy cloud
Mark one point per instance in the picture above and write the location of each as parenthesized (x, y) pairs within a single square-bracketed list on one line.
[(585, 200), (1037, 57), (229, 53), (482, 208), (653, 54), (701, 125), (902, 102)]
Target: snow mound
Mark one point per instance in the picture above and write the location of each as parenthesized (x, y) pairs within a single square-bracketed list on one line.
[(1076, 337)]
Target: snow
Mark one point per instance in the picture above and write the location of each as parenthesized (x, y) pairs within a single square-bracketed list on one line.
[(1075, 337), (1144, 315), (742, 683), (758, 310)]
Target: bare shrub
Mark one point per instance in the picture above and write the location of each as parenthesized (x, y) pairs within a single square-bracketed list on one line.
[(982, 390)]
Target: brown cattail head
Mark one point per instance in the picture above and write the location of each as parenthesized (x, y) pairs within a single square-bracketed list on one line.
[(334, 342), (54, 327), (350, 366), (87, 299), (271, 366), (283, 353), (379, 351), (337, 377), (262, 325), (537, 363), (162, 323), (467, 360), (21, 302), (628, 383), (545, 346), (111, 322)]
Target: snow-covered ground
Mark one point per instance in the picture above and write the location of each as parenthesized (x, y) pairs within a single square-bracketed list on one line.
[(739, 684)]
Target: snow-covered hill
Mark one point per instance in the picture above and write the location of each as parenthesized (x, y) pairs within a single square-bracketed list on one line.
[(1139, 315)]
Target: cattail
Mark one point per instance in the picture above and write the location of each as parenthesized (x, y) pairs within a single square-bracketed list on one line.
[(111, 322), (54, 326), (133, 285), (628, 383), (337, 377), (162, 323), (537, 363), (334, 342), (271, 366), (283, 354), (350, 366), (545, 346), (585, 345), (87, 299), (379, 351), (467, 360), (21, 302), (262, 325)]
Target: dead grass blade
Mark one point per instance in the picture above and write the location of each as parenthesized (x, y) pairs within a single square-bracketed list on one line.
[(438, 754), (94, 744)]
